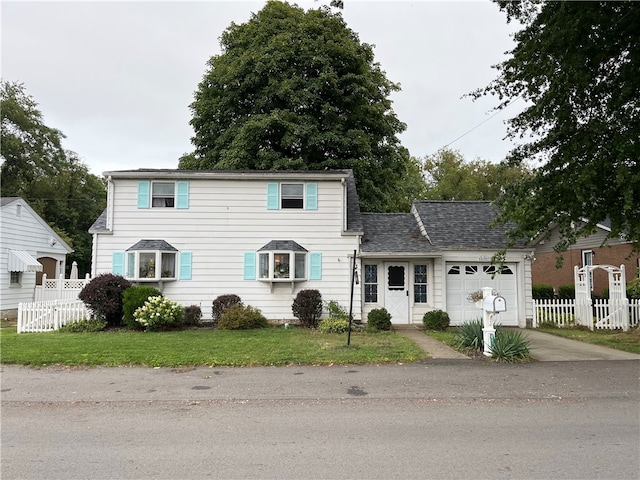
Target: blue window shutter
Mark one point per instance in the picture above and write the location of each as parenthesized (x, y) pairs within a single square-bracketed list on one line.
[(315, 266), (272, 196), (249, 265), (117, 263), (185, 266), (182, 200), (311, 202), (144, 188)]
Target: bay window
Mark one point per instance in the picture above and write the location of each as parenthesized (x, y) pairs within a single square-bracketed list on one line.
[(151, 260)]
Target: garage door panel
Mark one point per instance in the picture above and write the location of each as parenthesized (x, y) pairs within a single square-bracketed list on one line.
[(464, 278)]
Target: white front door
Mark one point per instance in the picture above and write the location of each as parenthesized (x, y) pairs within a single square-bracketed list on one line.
[(396, 298)]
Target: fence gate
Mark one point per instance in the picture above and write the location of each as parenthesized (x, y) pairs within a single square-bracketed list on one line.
[(618, 315)]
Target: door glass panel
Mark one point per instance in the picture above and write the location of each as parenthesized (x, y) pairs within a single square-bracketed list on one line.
[(396, 278)]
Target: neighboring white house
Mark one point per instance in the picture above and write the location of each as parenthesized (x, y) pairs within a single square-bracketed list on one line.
[(28, 245), (266, 235)]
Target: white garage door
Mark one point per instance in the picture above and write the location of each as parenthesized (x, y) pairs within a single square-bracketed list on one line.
[(464, 278)]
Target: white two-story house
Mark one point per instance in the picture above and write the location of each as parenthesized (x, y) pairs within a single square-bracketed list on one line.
[(266, 235), (262, 235)]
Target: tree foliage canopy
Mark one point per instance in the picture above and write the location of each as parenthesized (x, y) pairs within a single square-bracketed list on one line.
[(55, 183), (449, 176), (576, 65), (295, 89)]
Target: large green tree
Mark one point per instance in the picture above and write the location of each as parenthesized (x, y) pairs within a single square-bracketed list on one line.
[(449, 176), (54, 181), (296, 89), (576, 65)]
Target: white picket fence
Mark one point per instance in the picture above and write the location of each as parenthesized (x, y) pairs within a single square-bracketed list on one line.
[(59, 288), (561, 312), (49, 315)]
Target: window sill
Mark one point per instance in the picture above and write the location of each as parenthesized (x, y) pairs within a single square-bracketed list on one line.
[(272, 281)]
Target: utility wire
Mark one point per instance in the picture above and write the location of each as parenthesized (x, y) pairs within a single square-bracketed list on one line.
[(483, 122)]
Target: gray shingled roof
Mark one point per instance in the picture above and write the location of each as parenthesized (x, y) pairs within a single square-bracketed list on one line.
[(460, 224), (160, 245), (393, 233), (354, 217), (288, 245), (100, 225)]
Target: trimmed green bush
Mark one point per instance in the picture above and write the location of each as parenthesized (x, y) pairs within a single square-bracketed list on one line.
[(192, 316), (510, 346), (240, 317), (307, 307), (103, 296), (567, 291), (334, 325), (378, 319), (542, 291), (132, 299), (436, 320), (221, 303), (84, 326)]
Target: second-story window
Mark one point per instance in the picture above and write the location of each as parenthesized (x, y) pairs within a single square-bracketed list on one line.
[(292, 195), (158, 194), (163, 194)]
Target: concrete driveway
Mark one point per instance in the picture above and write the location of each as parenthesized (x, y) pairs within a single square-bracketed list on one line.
[(551, 348), (544, 347)]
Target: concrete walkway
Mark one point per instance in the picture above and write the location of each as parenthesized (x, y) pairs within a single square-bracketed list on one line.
[(433, 347), (544, 347)]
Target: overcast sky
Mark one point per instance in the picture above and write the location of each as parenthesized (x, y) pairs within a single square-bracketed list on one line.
[(117, 78)]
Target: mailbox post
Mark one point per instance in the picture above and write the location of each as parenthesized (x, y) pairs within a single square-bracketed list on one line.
[(491, 306)]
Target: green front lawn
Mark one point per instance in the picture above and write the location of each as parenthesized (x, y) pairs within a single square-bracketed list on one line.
[(269, 346)]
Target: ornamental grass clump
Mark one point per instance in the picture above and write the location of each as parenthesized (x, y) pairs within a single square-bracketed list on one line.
[(469, 335), (510, 346), (159, 313)]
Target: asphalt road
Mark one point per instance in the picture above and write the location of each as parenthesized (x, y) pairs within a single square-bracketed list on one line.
[(437, 419)]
